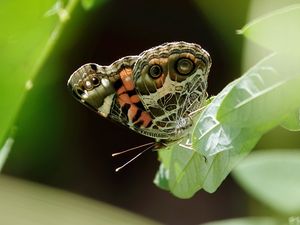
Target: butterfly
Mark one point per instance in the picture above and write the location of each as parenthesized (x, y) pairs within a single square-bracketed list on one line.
[(156, 93)]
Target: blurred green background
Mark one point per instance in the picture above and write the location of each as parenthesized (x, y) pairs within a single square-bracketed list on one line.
[(60, 143)]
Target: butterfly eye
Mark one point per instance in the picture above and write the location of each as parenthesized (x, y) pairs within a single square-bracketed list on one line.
[(88, 85), (95, 81), (155, 71), (184, 66)]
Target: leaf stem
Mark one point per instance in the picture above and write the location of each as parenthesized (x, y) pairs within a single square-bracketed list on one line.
[(64, 15)]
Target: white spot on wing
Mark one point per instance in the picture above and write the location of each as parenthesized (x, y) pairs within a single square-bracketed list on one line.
[(105, 82), (104, 109), (85, 95), (128, 78)]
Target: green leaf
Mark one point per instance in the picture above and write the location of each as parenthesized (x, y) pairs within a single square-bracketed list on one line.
[(279, 30), (26, 42), (162, 178), (187, 170), (273, 178), (230, 126), (33, 204), (246, 221), (292, 121), (264, 96), (211, 137), (223, 145), (182, 167)]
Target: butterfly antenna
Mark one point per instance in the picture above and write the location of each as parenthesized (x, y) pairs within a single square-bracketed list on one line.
[(131, 149), (135, 157)]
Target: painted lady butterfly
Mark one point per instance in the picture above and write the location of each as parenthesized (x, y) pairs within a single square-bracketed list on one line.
[(155, 93)]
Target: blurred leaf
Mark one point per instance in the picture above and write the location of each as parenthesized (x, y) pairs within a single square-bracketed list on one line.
[(87, 4), (263, 96), (273, 178), (279, 30), (246, 221), (292, 122), (223, 23), (25, 44), (28, 203), (4, 151)]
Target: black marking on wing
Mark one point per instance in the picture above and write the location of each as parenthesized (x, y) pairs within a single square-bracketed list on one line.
[(140, 105), (93, 67), (131, 93), (149, 124), (118, 84), (137, 115), (125, 108), (138, 124)]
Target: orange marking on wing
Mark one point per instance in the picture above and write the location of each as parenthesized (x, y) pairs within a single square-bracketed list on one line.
[(146, 118), (159, 61), (124, 98), (134, 99), (126, 77), (121, 90), (132, 112), (159, 82), (121, 102)]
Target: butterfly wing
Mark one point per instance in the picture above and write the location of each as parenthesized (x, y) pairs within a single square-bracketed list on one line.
[(110, 92), (99, 87), (171, 81), (154, 93)]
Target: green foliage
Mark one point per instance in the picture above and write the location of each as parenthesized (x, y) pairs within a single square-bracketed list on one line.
[(28, 41), (188, 169), (231, 125), (263, 97), (278, 31), (292, 121), (224, 133), (87, 4), (272, 176), (25, 44)]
